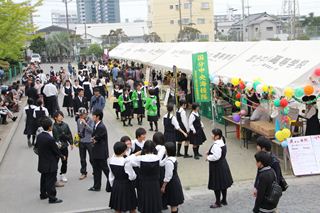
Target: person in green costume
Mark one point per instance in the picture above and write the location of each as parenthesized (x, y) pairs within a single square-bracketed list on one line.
[(138, 99), (152, 110)]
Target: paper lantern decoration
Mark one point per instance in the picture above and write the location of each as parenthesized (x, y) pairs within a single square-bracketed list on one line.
[(243, 112), (299, 92), (249, 86), (317, 72), (288, 92), (265, 88), (242, 86), (286, 111), (238, 95), (280, 136), (236, 118), (283, 103), (308, 90), (225, 80), (238, 104), (255, 85), (216, 80), (284, 144), (286, 133), (235, 81), (259, 88), (276, 102)]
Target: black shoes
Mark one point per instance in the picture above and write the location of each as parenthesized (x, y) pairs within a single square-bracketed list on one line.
[(94, 189), (29, 143), (14, 118), (43, 197), (187, 156), (179, 155), (196, 157), (224, 203), (214, 206), (55, 201)]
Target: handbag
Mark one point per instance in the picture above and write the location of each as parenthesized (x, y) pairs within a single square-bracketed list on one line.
[(283, 184), (275, 193)]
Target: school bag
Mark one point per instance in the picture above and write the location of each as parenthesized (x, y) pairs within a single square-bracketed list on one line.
[(275, 193)]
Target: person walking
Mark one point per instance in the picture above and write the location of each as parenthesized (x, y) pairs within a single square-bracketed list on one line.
[(51, 93), (85, 127), (116, 94), (184, 125), (220, 178), (48, 157), (39, 112), (100, 152), (79, 102), (138, 99), (152, 110), (31, 126), (126, 107), (68, 98), (97, 101)]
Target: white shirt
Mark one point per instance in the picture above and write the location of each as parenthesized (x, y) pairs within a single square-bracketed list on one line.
[(81, 78), (90, 86), (169, 167), (136, 160), (121, 161), (216, 150), (27, 107), (161, 153), (97, 124), (135, 143), (38, 109), (184, 118), (311, 112), (174, 120), (43, 78), (192, 118), (50, 90), (63, 93)]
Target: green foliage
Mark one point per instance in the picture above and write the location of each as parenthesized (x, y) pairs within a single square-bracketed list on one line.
[(152, 37), (58, 45), (303, 37), (38, 45), (114, 37), (94, 49), (15, 27), (189, 34), (311, 25)]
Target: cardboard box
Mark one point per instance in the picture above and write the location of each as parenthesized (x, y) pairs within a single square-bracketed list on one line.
[(264, 128)]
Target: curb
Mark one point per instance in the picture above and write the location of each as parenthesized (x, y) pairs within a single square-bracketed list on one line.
[(7, 141)]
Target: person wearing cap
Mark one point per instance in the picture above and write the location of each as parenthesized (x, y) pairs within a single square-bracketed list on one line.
[(85, 127), (311, 115)]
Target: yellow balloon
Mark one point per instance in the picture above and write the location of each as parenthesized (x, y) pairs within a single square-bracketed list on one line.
[(286, 133), (146, 83), (265, 88), (235, 81), (288, 92), (280, 136), (238, 104)]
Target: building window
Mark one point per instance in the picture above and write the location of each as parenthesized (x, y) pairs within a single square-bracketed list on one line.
[(257, 29), (171, 21), (204, 36), (177, 7), (205, 5), (185, 21), (269, 28), (186, 5), (171, 7), (201, 21)]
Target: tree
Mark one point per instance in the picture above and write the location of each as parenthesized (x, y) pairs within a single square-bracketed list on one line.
[(58, 46), (15, 27), (114, 37), (152, 37), (311, 25), (38, 45), (94, 50), (189, 34)]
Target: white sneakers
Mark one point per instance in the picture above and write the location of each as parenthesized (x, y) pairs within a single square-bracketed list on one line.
[(63, 178)]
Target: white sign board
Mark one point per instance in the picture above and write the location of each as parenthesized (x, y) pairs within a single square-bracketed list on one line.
[(305, 155)]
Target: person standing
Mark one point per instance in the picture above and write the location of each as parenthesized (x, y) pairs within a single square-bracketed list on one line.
[(62, 134), (70, 69), (79, 102), (116, 94), (156, 89), (139, 99), (85, 127), (197, 136), (68, 98), (39, 112), (313, 125), (152, 110), (87, 89), (51, 102), (220, 178), (76, 87), (100, 152), (31, 127), (97, 101), (32, 92), (183, 123), (48, 155), (126, 107)]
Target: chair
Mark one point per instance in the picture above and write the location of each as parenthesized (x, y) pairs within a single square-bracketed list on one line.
[(296, 128)]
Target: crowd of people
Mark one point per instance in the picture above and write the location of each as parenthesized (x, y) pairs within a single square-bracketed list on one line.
[(142, 173)]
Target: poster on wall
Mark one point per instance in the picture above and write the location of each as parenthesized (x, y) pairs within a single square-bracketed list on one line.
[(305, 155)]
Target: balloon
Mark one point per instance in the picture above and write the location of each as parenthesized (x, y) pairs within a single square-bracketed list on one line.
[(286, 132), (288, 92), (225, 80), (238, 95), (259, 88), (317, 72), (265, 88), (283, 102), (280, 136), (276, 102), (249, 86), (216, 80), (308, 90), (286, 111), (235, 81), (236, 118), (284, 144), (299, 92), (243, 112), (242, 86), (238, 104), (255, 85)]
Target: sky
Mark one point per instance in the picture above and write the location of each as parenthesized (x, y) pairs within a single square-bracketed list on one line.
[(137, 9)]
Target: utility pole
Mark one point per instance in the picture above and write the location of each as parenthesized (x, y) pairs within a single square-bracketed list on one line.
[(180, 17), (248, 8), (294, 19), (67, 22), (190, 7), (243, 20)]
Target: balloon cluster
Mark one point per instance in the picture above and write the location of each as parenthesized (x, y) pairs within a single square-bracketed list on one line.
[(283, 134)]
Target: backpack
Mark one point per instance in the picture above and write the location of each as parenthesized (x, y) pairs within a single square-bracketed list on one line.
[(275, 193)]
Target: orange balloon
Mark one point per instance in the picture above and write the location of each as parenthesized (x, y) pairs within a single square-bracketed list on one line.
[(308, 90)]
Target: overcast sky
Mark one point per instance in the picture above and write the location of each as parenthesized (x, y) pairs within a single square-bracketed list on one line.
[(137, 9)]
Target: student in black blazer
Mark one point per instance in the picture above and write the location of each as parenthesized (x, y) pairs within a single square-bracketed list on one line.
[(100, 152), (49, 154), (79, 102)]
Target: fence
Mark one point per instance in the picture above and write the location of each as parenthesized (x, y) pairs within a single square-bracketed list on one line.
[(13, 71)]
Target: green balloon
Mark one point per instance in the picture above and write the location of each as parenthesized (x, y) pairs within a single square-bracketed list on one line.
[(276, 102), (255, 84), (286, 111), (299, 92)]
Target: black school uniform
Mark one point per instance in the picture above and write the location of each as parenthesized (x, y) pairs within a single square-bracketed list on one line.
[(67, 99), (87, 91), (31, 125), (140, 110), (123, 196), (199, 137), (157, 94), (136, 147), (313, 125), (173, 194), (170, 126), (220, 177), (179, 136), (40, 112), (75, 91), (128, 112), (116, 94)]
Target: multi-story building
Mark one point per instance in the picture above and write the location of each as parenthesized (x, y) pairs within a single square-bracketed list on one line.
[(98, 11), (58, 18), (164, 18)]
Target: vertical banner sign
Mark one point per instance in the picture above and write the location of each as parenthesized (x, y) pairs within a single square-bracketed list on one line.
[(200, 77)]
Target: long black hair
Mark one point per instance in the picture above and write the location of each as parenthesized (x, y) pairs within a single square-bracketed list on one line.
[(158, 138), (218, 132), (149, 148), (169, 109)]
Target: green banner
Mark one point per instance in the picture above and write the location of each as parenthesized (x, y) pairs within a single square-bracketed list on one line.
[(200, 76)]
